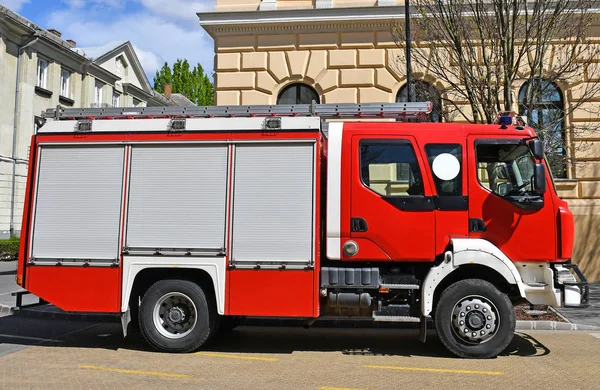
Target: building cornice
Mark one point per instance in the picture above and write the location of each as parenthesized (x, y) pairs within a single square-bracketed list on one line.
[(311, 19), (315, 19)]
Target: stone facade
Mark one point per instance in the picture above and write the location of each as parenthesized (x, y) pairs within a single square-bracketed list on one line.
[(345, 51), (34, 64)]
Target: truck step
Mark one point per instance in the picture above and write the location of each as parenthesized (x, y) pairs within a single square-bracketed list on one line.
[(394, 311), (399, 279), (384, 318), (393, 286), (536, 284)]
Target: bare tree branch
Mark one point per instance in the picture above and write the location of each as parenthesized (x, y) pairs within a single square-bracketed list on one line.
[(534, 56)]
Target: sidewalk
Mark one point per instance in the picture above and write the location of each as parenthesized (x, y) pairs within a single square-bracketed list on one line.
[(8, 285), (589, 315)]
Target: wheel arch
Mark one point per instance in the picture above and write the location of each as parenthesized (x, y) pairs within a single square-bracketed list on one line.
[(139, 275), (147, 277), (471, 259)]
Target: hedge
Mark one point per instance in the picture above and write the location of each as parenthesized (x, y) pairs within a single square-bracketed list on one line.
[(9, 249)]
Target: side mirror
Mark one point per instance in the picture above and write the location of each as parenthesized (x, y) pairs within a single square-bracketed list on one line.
[(539, 178), (537, 148)]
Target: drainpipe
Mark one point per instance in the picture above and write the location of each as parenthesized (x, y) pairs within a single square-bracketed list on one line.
[(33, 40)]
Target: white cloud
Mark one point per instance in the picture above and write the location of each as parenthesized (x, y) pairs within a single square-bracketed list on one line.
[(150, 61), (159, 33), (94, 3), (14, 5), (178, 9)]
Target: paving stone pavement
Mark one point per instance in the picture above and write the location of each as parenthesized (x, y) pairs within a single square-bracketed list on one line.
[(589, 315), (97, 357)]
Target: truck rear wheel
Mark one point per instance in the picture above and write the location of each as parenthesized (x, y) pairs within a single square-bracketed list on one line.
[(474, 319), (175, 316)]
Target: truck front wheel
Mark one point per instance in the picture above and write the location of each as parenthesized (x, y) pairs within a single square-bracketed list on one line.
[(474, 319), (175, 316)]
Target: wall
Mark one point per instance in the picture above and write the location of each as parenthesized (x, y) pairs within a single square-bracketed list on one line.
[(8, 66), (357, 62)]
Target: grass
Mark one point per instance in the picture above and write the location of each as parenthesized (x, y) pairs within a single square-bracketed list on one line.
[(9, 249)]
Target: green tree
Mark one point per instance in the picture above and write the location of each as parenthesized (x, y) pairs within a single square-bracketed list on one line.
[(193, 83)]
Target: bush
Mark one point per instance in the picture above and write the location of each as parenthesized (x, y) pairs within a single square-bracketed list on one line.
[(9, 249)]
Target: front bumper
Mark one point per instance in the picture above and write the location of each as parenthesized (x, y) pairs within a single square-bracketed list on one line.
[(574, 293)]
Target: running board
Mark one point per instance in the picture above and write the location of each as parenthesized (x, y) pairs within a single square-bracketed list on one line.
[(387, 318), (391, 286)]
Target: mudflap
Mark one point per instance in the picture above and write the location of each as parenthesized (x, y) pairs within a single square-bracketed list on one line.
[(423, 329), (125, 320)]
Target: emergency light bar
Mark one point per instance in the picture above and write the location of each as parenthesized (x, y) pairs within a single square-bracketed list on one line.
[(368, 110), (511, 118)]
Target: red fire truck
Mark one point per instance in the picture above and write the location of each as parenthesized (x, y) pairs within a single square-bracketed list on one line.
[(181, 220)]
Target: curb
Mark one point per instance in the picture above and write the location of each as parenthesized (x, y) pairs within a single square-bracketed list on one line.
[(553, 325)]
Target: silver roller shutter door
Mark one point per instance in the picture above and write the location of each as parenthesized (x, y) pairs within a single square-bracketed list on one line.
[(273, 204), (78, 203), (177, 197)]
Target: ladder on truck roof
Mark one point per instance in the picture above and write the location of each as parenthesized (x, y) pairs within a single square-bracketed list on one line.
[(324, 111)]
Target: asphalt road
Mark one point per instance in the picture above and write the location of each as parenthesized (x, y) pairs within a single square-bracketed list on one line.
[(51, 354)]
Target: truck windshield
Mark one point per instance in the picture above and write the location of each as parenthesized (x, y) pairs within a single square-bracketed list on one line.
[(506, 169)]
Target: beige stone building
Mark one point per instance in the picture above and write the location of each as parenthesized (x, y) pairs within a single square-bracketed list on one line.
[(336, 51), (40, 70)]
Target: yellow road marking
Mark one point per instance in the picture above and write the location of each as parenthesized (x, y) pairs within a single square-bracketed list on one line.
[(226, 356), (137, 372), (439, 370)]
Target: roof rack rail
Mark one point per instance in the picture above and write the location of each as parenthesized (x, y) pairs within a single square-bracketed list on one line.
[(325, 111)]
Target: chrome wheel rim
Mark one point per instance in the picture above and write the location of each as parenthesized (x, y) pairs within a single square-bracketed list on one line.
[(475, 319), (174, 315)]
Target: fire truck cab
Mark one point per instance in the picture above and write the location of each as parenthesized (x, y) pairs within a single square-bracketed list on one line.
[(184, 220)]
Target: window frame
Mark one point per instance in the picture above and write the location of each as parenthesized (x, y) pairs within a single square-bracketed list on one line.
[(299, 87), (98, 90), (42, 73), (118, 100), (66, 92), (540, 105), (437, 108), (394, 141)]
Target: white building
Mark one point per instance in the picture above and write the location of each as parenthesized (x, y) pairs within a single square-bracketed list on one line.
[(40, 70)]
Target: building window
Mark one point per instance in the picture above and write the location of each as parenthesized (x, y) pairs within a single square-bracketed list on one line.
[(42, 73), (138, 103), (541, 102), (116, 100), (98, 93), (65, 83), (298, 94), (423, 92)]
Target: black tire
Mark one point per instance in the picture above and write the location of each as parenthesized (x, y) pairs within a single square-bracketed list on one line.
[(176, 299), (484, 334)]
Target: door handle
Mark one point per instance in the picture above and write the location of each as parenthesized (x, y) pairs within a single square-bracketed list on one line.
[(358, 225)]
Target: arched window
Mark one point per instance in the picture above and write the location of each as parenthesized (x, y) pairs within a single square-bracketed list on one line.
[(424, 92), (541, 102), (298, 94)]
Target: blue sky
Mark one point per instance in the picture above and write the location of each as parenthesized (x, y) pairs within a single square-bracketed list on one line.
[(160, 30)]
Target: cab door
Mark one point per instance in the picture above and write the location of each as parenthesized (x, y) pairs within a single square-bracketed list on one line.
[(503, 206), (391, 206)]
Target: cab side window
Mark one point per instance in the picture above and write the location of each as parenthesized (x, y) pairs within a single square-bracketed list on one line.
[(446, 164), (390, 168)]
